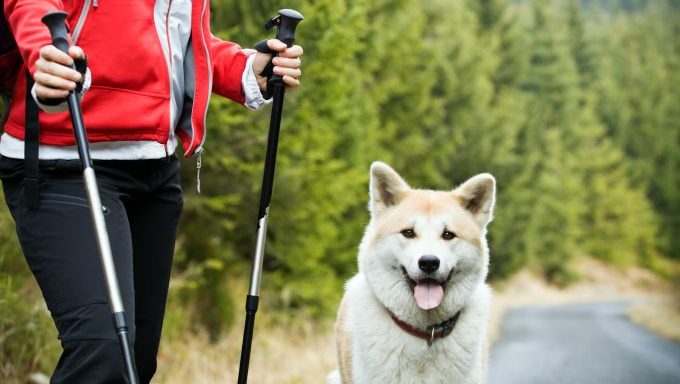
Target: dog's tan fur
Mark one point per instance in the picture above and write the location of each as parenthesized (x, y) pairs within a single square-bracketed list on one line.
[(344, 343)]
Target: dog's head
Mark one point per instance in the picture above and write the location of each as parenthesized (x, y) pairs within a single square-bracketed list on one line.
[(424, 252)]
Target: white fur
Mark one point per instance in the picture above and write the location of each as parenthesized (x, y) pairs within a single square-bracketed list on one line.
[(334, 378), (381, 352), (384, 353)]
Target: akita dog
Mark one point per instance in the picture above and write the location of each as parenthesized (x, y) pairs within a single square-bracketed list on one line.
[(417, 310)]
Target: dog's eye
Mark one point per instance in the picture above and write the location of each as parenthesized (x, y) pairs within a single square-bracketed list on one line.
[(408, 233), (448, 235)]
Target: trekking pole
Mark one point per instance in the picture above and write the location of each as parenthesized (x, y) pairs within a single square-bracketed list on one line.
[(286, 21), (55, 21)]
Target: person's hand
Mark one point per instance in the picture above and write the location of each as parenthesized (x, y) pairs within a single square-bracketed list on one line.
[(286, 64), (53, 76)]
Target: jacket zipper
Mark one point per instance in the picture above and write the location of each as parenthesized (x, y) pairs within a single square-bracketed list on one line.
[(199, 164), (207, 60), (199, 150), (169, 65), (81, 19)]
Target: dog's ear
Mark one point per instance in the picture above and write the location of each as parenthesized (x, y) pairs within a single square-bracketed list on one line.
[(387, 187), (478, 195)]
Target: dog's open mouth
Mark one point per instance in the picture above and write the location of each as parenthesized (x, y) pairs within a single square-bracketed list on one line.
[(427, 292)]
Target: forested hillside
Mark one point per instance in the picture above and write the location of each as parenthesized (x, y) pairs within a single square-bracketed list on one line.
[(573, 106), (574, 110)]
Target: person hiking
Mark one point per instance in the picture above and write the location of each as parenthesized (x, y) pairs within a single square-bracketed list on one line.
[(151, 67)]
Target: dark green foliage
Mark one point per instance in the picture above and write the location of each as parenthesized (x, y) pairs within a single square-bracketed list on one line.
[(638, 101)]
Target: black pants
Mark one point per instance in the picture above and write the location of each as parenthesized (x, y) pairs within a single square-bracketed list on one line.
[(143, 201)]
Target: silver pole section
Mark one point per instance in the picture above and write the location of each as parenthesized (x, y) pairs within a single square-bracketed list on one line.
[(103, 242), (258, 258)]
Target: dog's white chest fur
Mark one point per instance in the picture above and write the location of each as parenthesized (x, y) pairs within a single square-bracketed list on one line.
[(384, 353)]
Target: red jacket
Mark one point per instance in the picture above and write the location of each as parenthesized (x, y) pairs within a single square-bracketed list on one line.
[(129, 98)]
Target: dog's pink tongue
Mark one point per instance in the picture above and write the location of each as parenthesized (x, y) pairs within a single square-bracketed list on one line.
[(428, 295)]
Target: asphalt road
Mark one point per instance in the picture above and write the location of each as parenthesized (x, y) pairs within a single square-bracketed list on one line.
[(580, 344)]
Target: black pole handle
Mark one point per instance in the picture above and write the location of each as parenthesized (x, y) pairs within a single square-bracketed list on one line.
[(287, 22), (56, 22)]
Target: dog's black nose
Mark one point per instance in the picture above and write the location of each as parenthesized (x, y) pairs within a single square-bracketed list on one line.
[(428, 263)]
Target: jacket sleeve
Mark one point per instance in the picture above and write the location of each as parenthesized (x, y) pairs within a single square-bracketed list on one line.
[(29, 32), (228, 62)]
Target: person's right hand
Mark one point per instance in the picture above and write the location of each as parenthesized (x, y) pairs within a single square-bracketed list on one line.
[(53, 76)]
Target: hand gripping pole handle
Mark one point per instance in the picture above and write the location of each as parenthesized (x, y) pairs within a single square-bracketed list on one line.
[(287, 22), (56, 23)]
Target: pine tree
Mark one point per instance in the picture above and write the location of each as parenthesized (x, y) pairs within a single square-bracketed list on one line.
[(545, 201), (637, 101)]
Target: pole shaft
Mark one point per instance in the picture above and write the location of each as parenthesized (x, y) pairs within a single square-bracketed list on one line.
[(79, 130), (272, 146), (251, 308), (102, 238), (55, 22), (267, 187), (287, 22), (124, 341), (105, 253), (265, 200), (103, 242), (258, 257)]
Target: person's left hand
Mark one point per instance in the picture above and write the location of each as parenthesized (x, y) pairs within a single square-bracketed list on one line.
[(286, 64)]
